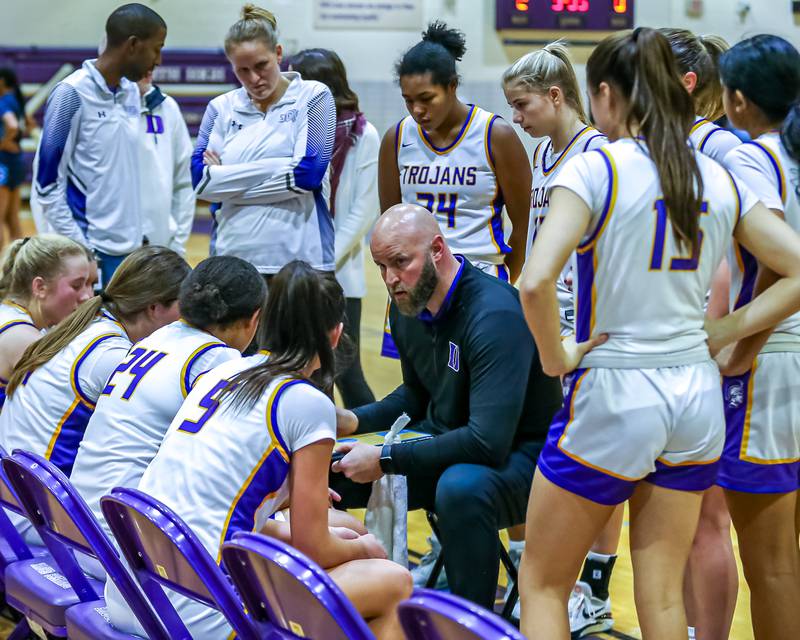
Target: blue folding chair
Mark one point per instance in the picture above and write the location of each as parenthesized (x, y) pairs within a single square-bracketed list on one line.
[(163, 551), (66, 524), (31, 563), (281, 587), (434, 615)]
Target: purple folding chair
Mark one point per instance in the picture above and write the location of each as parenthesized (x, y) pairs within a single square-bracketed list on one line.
[(66, 524), (282, 587), (163, 552), (434, 615)]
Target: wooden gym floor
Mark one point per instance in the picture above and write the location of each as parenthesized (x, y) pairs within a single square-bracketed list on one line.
[(383, 376)]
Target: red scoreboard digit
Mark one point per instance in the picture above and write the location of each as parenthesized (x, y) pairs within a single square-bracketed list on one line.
[(578, 15)]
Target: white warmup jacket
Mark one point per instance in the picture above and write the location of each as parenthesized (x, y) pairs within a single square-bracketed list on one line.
[(357, 209), (87, 179), (272, 186), (167, 195)]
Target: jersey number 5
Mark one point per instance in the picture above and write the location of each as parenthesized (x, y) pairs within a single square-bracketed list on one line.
[(678, 263), (209, 402), (447, 205)]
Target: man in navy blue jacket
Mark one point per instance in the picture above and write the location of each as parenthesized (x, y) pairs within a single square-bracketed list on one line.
[(473, 380)]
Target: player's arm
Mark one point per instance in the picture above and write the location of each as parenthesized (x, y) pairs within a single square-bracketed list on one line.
[(740, 357), (10, 131), (388, 171), (310, 533), (14, 342), (60, 117), (283, 178), (514, 178), (776, 246), (562, 229)]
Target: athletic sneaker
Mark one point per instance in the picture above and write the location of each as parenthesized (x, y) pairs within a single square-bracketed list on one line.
[(422, 571), (588, 614)]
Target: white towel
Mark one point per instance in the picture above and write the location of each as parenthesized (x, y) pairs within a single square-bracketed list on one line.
[(387, 509)]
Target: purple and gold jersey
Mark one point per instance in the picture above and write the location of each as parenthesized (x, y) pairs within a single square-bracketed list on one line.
[(49, 412), (713, 141), (11, 315), (774, 177), (546, 166), (632, 280), (137, 406), (457, 184)]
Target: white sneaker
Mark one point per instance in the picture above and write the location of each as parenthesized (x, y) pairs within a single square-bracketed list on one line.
[(423, 570), (588, 614)]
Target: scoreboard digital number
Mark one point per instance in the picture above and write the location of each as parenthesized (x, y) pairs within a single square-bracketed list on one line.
[(556, 15)]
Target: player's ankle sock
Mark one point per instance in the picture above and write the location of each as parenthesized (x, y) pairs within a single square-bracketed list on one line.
[(691, 634), (597, 573)]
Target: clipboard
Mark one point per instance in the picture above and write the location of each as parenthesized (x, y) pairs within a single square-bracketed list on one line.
[(376, 439)]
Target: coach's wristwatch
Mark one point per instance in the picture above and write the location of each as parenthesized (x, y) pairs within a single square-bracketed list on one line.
[(386, 459)]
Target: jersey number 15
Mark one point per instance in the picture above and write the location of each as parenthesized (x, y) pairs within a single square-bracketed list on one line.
[(677, 263)]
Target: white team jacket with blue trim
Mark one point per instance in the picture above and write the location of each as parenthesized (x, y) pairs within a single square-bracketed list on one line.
[(272, 187), (92, 135)]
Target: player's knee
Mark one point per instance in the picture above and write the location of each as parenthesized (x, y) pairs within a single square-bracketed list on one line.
[(397, 582)]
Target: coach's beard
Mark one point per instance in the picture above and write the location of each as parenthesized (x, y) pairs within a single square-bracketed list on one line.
[(418, 297)]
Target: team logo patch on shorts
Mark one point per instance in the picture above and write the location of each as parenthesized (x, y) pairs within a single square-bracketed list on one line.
[(734, 394), (454, 361)]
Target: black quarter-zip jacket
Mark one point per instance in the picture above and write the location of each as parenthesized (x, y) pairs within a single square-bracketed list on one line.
[(471, 377)]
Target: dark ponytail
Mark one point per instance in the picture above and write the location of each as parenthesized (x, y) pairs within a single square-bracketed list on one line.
[(639, 65), (303, 306), (221, 290), (790, 132), (437, 54)]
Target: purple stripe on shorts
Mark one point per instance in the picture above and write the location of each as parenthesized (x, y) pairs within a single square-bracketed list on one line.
[(571, 475), (685, 477), (740, 475)]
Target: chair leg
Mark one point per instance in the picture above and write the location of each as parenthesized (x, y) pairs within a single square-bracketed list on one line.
[(512, 577), (439, 564)]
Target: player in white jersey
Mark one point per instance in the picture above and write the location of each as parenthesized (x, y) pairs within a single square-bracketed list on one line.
[(760, 468), (262, 155), (267, 438), (43, 280), (219, 303), (711, 574), (57, 381), (543, 92), (462, 163), (643, 419)]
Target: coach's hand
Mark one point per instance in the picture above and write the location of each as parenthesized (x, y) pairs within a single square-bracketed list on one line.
[(211, 158), (346, 422), (361, 463), (574, 351)]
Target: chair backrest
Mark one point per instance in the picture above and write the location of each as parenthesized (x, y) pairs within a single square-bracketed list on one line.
[(283, 587), (66, 524), (8, 532), (433, 615), (163, 551)]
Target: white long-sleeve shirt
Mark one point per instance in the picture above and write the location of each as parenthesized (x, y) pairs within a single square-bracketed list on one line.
[(167, 195), (272, 186), (357, 208), (87, 180)]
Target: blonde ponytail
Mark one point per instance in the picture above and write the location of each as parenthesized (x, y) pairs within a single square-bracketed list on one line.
[(29, 258)]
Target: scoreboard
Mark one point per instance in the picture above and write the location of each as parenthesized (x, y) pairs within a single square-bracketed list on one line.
[(564, 15)]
